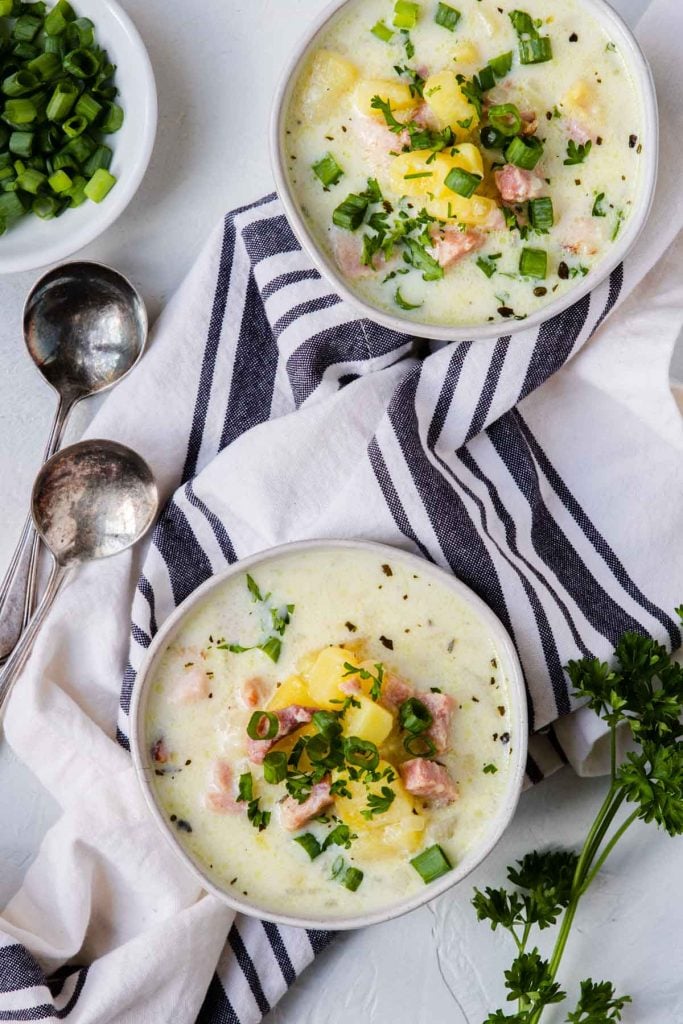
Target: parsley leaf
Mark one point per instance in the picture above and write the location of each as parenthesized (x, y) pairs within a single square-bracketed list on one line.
[(576, 154)]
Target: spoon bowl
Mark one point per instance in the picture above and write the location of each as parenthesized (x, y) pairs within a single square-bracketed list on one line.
[(85, 327)]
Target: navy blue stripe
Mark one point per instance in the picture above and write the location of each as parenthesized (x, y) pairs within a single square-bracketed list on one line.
[(285, 280), (254, 369), (211, 349), (551, 544), (489, 389), (280, 952), (140, 636), (592, 534), (46, 1011), (447, 392), (295, 313), (319, 940), (616, 283), (248, 969), (220, 533), (533, 771), (129, 677), (18, 969), (556, 339), (391, 497), (185, 560), (145, 588), (267, 237), (122, 740), (217, 1008)]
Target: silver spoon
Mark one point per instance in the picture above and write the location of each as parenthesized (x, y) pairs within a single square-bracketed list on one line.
[(91, 500), (85, 327)]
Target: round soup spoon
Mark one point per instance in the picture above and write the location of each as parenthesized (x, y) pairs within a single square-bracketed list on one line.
[(85, 327), (90, 501)]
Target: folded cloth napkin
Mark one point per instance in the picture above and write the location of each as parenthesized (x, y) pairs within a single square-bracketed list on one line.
[(544, 472)]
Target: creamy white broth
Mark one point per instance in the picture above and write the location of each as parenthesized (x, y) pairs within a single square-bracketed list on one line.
[(586, 83), (438, 641)]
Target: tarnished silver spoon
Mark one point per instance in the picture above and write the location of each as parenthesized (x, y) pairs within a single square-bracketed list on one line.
[(91, 500), (85, 327)]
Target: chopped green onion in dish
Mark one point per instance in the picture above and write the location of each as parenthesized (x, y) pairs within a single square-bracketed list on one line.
[(463, 183), (328, 171), (524, 152), (382, 31), (447, 17), (535, 51), (263, 725), (351, 213), (431, 864), (541, 213), (352, 878), (310, 844), (57, 101), (406, 14), (501, 65), (275, 767), (534, 263), (505, 118), (414, 716)]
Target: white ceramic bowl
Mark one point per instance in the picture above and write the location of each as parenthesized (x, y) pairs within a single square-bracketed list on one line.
[(626, 42), (32, 242), (518, 709)]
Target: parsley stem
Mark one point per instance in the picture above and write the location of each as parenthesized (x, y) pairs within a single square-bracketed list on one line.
[(613, 751), (608, 849)]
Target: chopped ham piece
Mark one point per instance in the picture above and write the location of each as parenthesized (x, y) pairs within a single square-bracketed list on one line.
[(350, 687), (377, 139), (452, 244), (578, 131), (428, 780), (220, 796), (395, 690), (194, 686), (290, 718), (252, 693), (529, 122), (294, 815), (584, 236), (440, 706), (159, 752), (517, 185)]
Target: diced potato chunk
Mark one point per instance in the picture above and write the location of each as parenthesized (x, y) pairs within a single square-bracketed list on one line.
[(449, 104), (370, 721), (399, 812), (329, 78), (292, 691), (396, 93), (474, 212), (405, 837), (423, 162), (581, 99), (326, 675)]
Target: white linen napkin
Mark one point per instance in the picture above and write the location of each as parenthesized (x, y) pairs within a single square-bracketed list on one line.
[(552, 484)]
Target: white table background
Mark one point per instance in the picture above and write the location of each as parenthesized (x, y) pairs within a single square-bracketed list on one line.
[(217, 62)]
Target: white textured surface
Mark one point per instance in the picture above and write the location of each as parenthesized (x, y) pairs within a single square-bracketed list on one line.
[(209, 157)]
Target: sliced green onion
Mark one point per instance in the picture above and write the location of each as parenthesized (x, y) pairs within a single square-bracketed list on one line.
[(76, 193), (534, 263), (431, 864), (403, 303), (523, 23), (352, 878), (58, 18), (327, 722), (501, 65), (82, 147), (25, 51), (53, 44), (45, 66), (406, 14), (447, 17), (88, 107), (6, 8), (328, 170), (245, 788), (463, 183), (21, 143), (350, 214), (486, 79), (11, 206), (61, 101), (361, 753), (63, 160), (74, 126), (337, 867), (101, 157), (80, 33), (275, 767), (19, 83), (31, 181), (18, 112), (45, 207), (414, 716), (26, 28), (541, 213), (81, 63), (506, 118), (60, 182), (420, 745), (112, 120), (524, 152), (491, 138), (310, 845), (382, 31), (263, 725), (535, 51)]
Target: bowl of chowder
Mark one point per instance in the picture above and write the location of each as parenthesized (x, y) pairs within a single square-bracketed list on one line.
[(331, 733), (469, 169)]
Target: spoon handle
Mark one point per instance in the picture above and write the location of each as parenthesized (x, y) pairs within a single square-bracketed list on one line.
[(17, 589), (23, 649)]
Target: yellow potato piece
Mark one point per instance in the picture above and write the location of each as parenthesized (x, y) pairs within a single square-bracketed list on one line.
[(402, 838), (433, 171), (581, 99), (467, 53), (368, 721), (474, 211), (292, 691), (396, 93), (327, 674), (398, 829), (449, 104), (329, 78)]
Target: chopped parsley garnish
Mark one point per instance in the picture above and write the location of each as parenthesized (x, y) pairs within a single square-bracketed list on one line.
[(379, 803), (577, 153), (259, 819), (621, 216), (490, 769), (404, 304), (487, 264), (377, 680), (279, 617)]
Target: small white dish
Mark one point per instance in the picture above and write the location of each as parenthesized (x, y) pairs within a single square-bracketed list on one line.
[(32, 242), (508, 661), (628, 45)]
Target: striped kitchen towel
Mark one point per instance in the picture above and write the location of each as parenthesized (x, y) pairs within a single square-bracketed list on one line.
[(544, 471)]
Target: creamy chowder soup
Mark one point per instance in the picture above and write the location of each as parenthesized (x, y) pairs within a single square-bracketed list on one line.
[(330, 733), (465, 164)]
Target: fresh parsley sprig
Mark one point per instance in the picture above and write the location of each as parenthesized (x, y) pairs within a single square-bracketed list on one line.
[(576, 154), (279, 618), (642, 691)]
